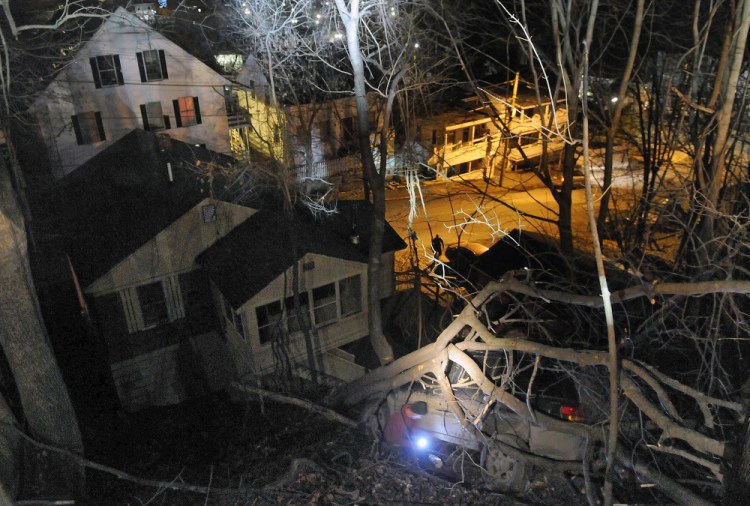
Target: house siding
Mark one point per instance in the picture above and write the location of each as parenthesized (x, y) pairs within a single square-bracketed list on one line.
[(177, 359), (173, 374), (253, 357), (74, 91), (174, 249), (462, 141)]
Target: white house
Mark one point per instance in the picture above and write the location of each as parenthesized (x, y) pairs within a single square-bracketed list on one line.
[(129, 76), (252, 271), (508, 128), (179, 281)]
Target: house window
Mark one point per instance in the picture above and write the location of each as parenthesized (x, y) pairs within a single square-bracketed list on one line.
[(88, 127), (527, 140), (187, 111), (209, 213), (292, 322), (152, 65), (153, 118), (269, 319), (153, 304), (450, 137), (465, 137), (350, 295), (434, 136), (324, 301), (106, 70)]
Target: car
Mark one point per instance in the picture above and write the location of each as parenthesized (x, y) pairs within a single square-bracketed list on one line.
[(503, 434), (456, 263)]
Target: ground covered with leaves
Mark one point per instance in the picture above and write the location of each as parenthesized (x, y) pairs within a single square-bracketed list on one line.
[(238, 453)]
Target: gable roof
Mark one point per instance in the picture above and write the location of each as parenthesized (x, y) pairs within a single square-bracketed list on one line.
[(259, 250), (121, 198), (118, 23)]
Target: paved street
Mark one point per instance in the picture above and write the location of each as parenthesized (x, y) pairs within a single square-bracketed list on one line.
[(450, 208)]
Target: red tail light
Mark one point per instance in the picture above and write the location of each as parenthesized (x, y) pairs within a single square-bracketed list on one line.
[(571, 413)]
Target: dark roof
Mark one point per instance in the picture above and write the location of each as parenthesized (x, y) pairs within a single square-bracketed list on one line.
[(247, 259), (121, 198)]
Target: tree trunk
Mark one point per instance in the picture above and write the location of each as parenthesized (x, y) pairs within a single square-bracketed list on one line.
[(721, 142), (47, 410), (376, 184), (617, 114)]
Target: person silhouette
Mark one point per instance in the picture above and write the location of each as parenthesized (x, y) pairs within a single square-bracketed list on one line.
[(437, 245)]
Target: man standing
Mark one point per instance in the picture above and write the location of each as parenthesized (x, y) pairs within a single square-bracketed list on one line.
[(437, 246)]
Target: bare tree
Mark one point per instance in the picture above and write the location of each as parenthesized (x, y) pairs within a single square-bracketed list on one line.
[(45, 409)]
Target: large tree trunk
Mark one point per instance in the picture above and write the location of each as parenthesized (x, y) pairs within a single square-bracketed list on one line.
[(724, 115), (376, 181), (47, 410)]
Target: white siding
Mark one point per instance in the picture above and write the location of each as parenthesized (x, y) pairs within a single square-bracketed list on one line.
[(73, 92)]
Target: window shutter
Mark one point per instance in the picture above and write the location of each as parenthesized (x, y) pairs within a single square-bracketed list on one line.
[(177, 118), (197, 107), (141, 67), (77, 129), (120, 80), (163, 61), (95, 72), (100, 126), (144, 115)]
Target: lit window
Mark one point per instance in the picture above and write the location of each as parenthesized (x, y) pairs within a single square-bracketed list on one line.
[(106, 70), (153, 118), (350, 295), (187, 111), (269, 319), (153, 304), (324, 300), (88, 127), (152, 65)]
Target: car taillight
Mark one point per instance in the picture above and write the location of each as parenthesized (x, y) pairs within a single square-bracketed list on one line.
[(571, 413)]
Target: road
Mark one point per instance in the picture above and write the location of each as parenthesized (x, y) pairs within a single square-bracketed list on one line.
[(451, 209)]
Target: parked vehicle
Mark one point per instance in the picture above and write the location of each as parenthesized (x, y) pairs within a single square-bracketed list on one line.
[(552, 392), (456, 263)]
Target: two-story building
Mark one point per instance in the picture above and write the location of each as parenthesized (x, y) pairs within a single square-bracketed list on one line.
[(129, 76), (313, 139), (506, 128)]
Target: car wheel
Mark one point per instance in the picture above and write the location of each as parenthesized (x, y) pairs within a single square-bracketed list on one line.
[(502, 471)]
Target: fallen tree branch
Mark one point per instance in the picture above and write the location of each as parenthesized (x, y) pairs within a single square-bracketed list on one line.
[(670, 487), (714, 467), (310, 406), (171, 485)]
